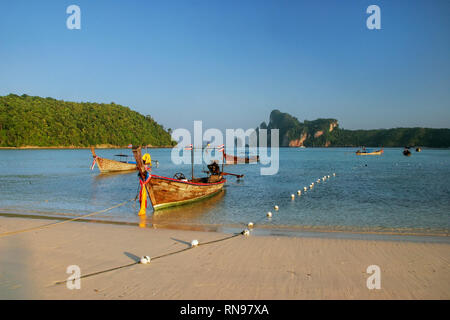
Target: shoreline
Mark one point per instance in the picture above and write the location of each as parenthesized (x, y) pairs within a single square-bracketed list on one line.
[(107, 146), (238, 268), (79, 148), (344, 232)]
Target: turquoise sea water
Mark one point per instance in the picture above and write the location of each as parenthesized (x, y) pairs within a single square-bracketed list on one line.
[(369, 193)]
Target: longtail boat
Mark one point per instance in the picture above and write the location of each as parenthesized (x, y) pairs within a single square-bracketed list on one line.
[(167, 192), (108, 165), (365, 153), (230, 159)]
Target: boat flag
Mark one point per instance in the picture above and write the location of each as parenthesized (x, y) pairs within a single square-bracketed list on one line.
[(221, 148), (130, 146)]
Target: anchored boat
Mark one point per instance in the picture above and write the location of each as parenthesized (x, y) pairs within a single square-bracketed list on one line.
[(167, 192), (366, 153), (108, 165), (230, 159)]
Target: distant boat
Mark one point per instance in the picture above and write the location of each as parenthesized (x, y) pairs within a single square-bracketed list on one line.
[(406, 152), (167, 192), (418, 149), (229, 159), (108, 165), (365, 153)]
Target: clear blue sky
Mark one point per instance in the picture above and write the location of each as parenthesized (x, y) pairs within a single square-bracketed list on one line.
[(229, 63)]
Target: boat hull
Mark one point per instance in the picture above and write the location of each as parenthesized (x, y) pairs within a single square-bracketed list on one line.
[(229, 159), (108, 165), (375, 153), (166, 192)]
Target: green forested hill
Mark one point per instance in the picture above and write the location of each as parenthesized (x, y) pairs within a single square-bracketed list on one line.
[(396, 137), (45, 122), (326, 132)]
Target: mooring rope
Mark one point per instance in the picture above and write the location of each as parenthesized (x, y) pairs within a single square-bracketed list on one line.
[(302, 193), (152, 258), (65, 221), (163, 255)]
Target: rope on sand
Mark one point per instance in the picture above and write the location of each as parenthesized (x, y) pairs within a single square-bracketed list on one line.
[(65, 221), (245, 232), (152, 259)]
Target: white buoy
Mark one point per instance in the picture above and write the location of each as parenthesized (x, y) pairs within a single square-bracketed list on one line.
[(328, 176), (299, 192), (194, 243), (145, 260), (318, 180), (269, 214), (276, 208), (334, 174), (305, 188), (250, 225), (246, 232), (292, 196)]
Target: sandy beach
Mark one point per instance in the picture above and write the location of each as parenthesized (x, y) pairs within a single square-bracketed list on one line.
[(255, 267)]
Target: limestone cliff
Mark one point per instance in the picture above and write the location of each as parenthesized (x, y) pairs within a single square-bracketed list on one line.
[(294, 133), (298, 142), (326, 133)]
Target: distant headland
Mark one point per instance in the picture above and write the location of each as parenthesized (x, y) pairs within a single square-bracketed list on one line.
[(326, 133)]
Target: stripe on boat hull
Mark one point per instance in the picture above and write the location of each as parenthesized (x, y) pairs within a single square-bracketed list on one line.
[(166, 192)]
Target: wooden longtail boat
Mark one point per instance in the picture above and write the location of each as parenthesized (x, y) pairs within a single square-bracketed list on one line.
[(229, 159), (167, 192), (365, 153), (108, 165)]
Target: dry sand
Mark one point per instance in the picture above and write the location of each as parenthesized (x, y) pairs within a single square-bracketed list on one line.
[(255, 267)]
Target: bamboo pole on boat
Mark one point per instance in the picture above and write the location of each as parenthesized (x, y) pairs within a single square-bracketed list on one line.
[(223, 157), (192, 163)]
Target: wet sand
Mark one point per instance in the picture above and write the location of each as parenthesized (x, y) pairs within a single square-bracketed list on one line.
[(255, 267)]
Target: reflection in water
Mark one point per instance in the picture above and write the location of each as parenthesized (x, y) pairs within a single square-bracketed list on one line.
[(107, 175), (176, 216), (142, 221)]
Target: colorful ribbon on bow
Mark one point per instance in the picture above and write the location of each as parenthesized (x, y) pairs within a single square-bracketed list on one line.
[(93, 162), (143, 194)]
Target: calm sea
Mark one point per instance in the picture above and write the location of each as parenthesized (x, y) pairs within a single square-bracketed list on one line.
[(388, 193)]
